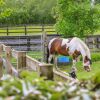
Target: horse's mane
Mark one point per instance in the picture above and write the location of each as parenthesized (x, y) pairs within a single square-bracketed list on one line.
[(85, 47)]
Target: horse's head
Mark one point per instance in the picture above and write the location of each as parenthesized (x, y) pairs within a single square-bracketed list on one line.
[(87, 62)]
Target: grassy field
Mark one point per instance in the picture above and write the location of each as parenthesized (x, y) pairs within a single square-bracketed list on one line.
[(35, 54), (81, 73)]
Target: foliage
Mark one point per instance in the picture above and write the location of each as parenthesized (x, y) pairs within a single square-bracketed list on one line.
[(25, 11), (76, 18), (28, 76), (38, 89), (95, 56), (96, 78)]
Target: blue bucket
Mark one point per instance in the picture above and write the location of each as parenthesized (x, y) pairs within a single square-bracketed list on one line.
[(63, 59)]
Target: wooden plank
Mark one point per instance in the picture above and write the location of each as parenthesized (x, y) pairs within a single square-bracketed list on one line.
[(32, 63), (8, 59), (98, 39), (44, 46), (46, 70), (4, 47), (61, 76), (35, 41), (21, 60), (14, 53), (4, 32), (1, 49), (7, 64), (42, 68), (1, 69), (98, 45)]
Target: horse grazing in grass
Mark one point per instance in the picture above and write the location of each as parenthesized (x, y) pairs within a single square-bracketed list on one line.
[(69, 47)]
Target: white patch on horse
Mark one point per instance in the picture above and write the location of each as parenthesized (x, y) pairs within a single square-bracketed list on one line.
[(64, 41), (72, 46), (49, 46)]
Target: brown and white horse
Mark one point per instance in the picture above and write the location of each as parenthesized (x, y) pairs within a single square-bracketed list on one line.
[(69, 47)]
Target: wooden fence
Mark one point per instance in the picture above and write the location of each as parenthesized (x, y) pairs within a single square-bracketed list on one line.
[(25, 43), (35, 42), (25, 30), (26, 62), (93, 42)]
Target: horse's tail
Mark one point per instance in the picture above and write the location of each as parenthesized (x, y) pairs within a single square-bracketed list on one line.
[(47, 55)]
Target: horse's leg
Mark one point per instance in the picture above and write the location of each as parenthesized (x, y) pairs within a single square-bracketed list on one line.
[(55, 61), (50, 58), (74, 62), (74, 65), (73, 70)]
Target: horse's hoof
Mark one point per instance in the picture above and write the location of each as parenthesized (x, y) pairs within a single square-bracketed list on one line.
[(73, 74)]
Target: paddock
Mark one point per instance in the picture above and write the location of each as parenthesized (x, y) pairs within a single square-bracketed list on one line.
[(26, 62), (19, 52)]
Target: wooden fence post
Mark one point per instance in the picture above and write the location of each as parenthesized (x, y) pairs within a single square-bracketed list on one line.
[(46, 70), (28, 43), (21, 60), (1, 49), (1, 62), (7, 31), (25, 29), (8, 59), (44, 46), (42, 27)]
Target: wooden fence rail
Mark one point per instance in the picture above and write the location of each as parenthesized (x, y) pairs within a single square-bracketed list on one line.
[(25, 29), (26, 62), (93, 42), (34, 42), (25, 43)]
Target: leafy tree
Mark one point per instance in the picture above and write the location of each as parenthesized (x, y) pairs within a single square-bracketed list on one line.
[(27, 11), (76, 18)]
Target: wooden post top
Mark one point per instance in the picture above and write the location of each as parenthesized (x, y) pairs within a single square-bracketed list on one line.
[(45, 64)]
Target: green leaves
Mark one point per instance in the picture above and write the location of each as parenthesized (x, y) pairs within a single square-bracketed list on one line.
[(26, 12), (75, 18), (38, 89)]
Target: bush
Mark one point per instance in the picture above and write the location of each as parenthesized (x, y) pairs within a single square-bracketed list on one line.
[(96, 78), (38, 89), (76, 18), (95, 57)]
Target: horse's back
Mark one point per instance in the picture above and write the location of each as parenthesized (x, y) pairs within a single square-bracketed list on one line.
[(54, 44), (58, 46)]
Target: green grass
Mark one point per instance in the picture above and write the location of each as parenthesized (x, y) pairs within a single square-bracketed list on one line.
[(85, 75), (35, 54), (81, 73)]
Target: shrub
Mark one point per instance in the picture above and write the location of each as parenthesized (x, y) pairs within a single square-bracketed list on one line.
[(95, 56), (76, 18), (96, 78)]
